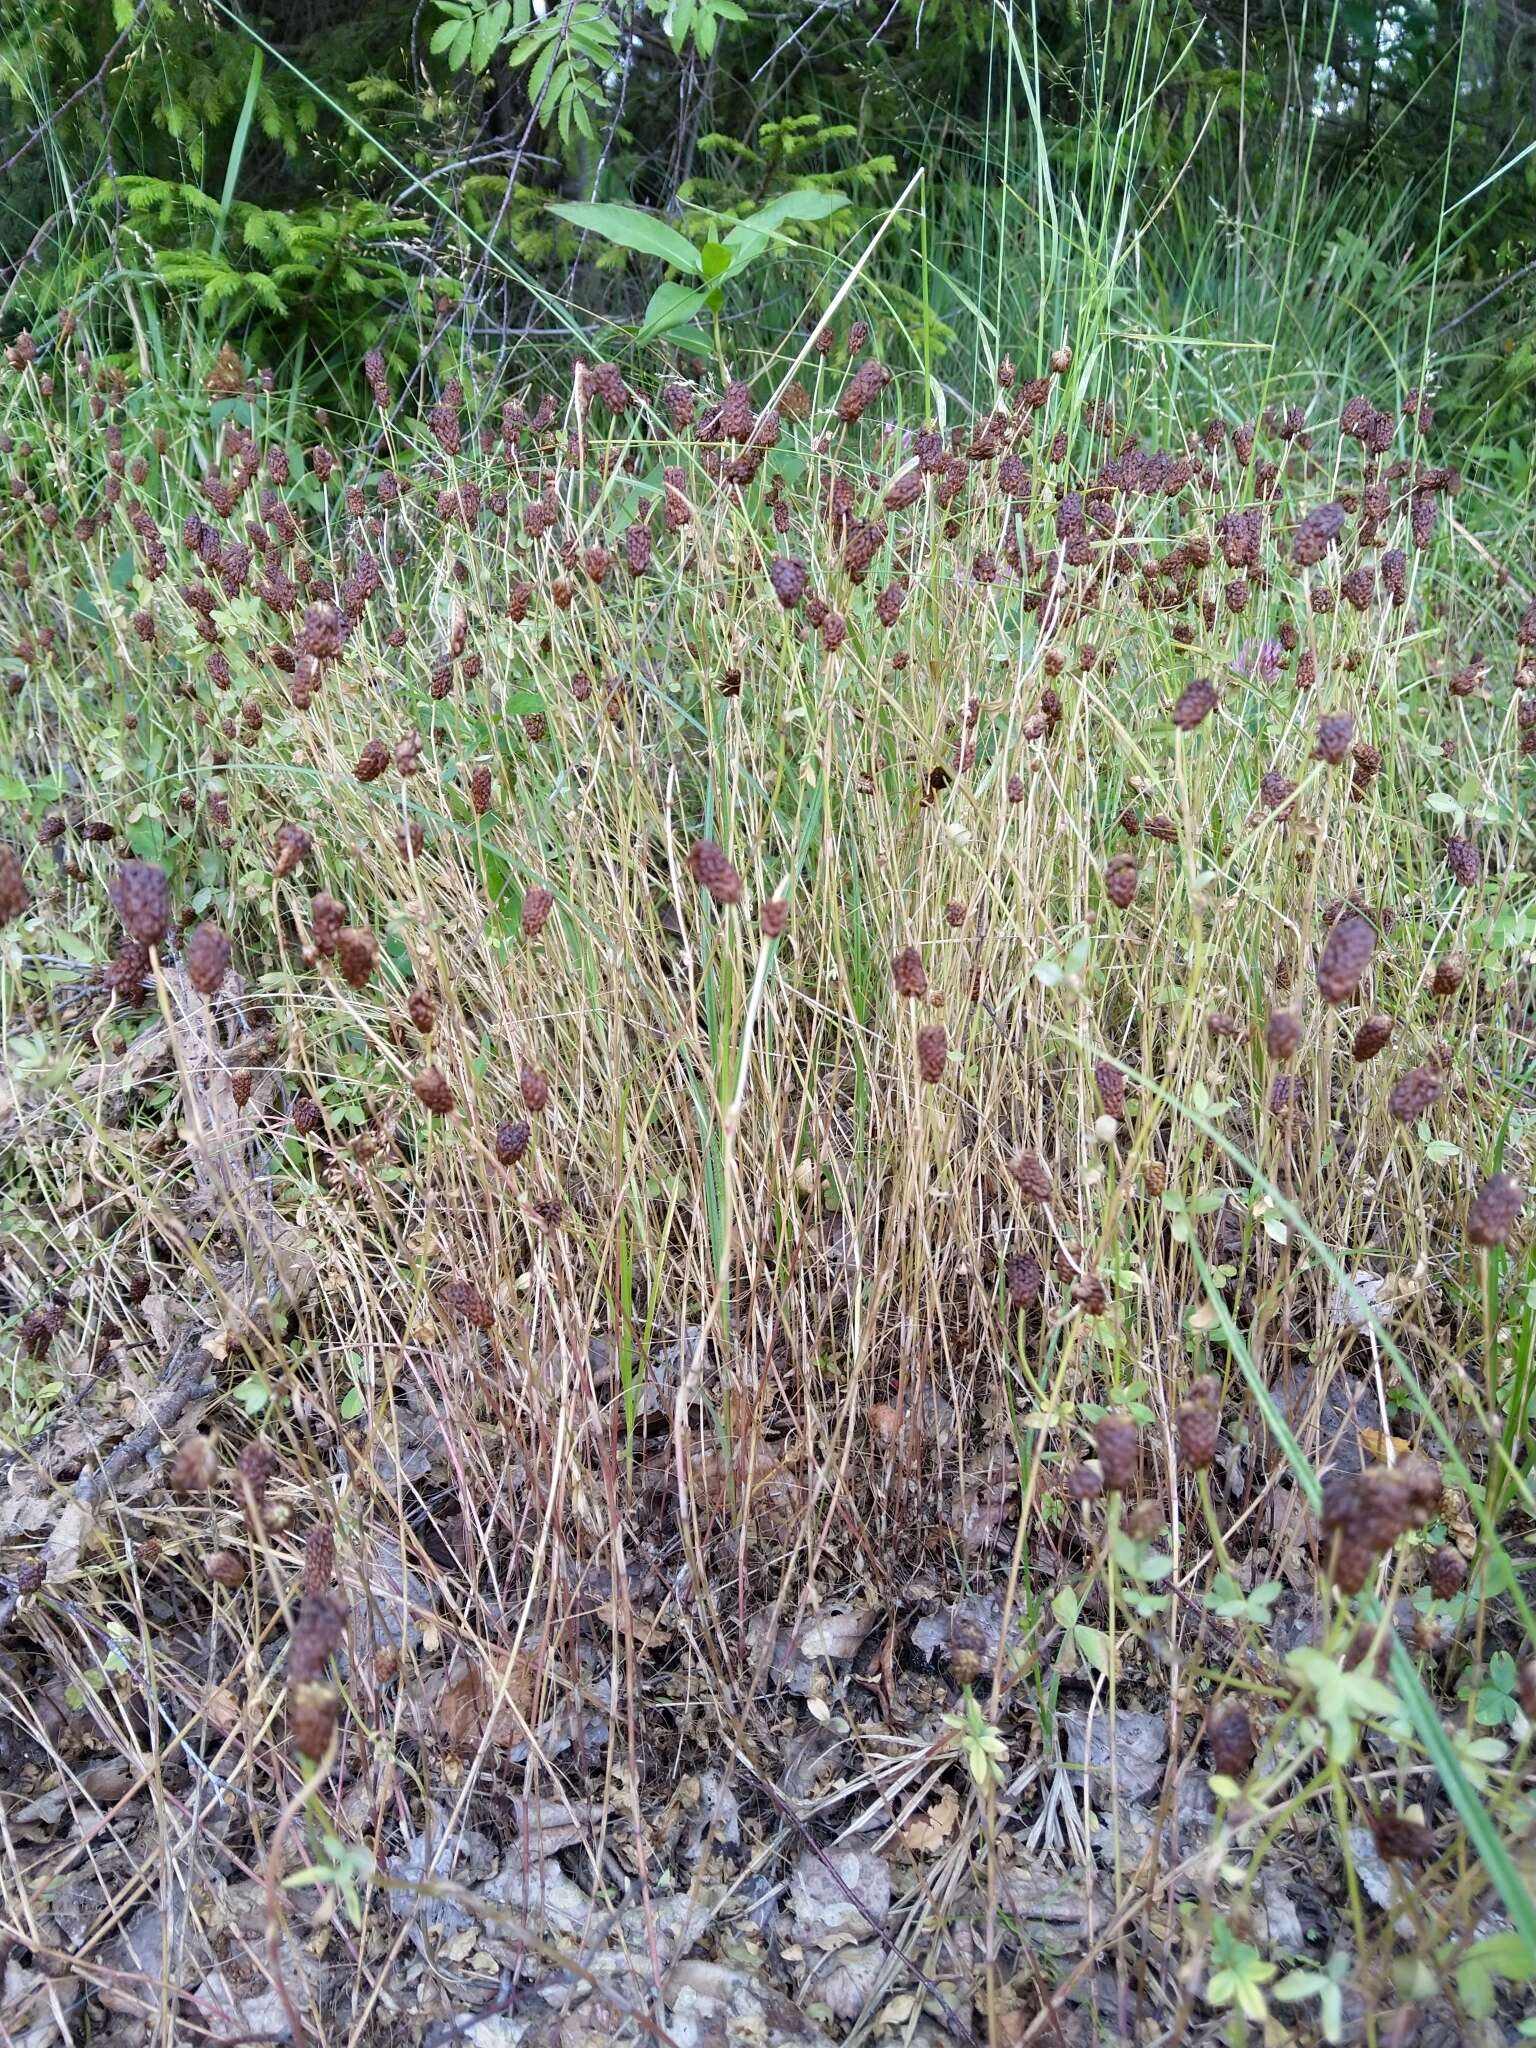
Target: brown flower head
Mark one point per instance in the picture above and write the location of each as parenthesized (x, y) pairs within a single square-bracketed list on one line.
[(1346, 955), (1117, 1441), (932, 1052), (206, 958), (1282, 1035), (1373, 1036), (538, 903), (1196, 702), (1198, 1423), (907, 973), (1413, 1094), (433, 1092), (713, 872), (1033, 1177), (511, 1142), (14, 897), (1494, 1211), (357, 954), (141, 896), (1122, 876)]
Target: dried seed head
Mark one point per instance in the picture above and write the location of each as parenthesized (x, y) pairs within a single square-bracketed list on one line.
[(319, 1558), (889, 604), (1033, 1176), (637, 548), (313, 1707), (480, 789), (422, 1012), (195, 1466), (774, 917), (538, 903), (713, 871), (511, 1143), (787, 574), (1401, 1840), (1121, 877), (433, 1092), (1275, 790), (1023, 1279), (1447, 1570), (1316, 534), (736, 413), (1345, 956), (1198, 1423), (223, 1568), (357, 954), (1372, 1037), (14, 897), (907, 973), (1090, 1293), (127, 971), (1118, 1444), (1494, 1211), (932, 1052), (1196, 703), (1110, 1082), (372, 761), (1335, 736), (1464, 862), (1229, 1732), (141, 896), (39, 1327), (1413, 1094), (327, 919), (307, 1117), (1450, 971), (1282, 1035), (533, 1086), (463, 1298), (206, 959)]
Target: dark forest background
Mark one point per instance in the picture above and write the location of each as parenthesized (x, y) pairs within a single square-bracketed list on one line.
[(314, 179)]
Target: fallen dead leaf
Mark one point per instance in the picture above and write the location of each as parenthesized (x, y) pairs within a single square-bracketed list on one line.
[(929, 1831), (67, 1539), (836, 1633), (1458, 1521), (1375, 1445), (492, 1699), (712, 2006)]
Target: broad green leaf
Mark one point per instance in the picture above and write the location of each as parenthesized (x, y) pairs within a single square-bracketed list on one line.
[(808, 205), (670, 305), (1093, 1646), (631, 228), (750, 237), (490, 27)]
